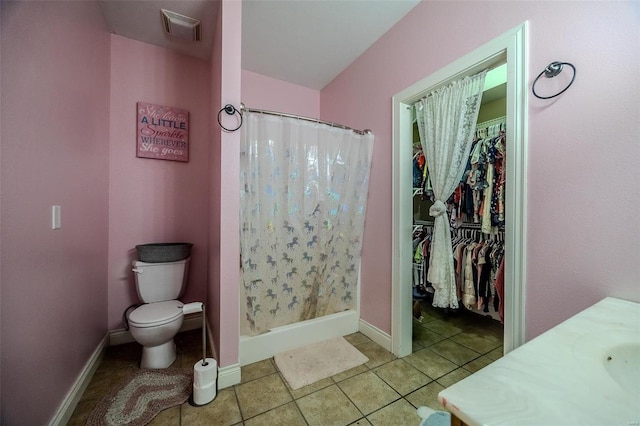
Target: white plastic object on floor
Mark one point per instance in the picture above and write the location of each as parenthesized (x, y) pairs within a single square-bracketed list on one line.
[(431, 417), (205, 371), (204, 381)]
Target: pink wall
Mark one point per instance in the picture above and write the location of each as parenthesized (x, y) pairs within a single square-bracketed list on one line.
[(64, 143), (262, 92), (225, 191), (55, 127), (583, 230), (153, 201)]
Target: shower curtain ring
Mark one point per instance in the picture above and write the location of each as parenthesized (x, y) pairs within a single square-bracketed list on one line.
[(230, 110)]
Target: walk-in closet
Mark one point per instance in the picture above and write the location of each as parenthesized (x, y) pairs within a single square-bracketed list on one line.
[(469, 325)]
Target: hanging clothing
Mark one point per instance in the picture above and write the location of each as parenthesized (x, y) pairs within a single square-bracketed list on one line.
[(476, 270), (480, 196)]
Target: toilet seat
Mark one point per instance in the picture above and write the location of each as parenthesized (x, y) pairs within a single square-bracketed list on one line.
[(155, 314)]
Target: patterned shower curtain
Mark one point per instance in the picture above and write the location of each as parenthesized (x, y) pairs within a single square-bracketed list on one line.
[(303, 199)]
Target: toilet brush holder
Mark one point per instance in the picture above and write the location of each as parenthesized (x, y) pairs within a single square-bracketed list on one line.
[(204, 381)]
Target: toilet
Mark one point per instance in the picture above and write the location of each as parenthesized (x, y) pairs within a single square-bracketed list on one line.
[(155, 323)]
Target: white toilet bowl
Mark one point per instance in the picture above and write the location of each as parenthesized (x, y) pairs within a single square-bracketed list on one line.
[(154, 325)]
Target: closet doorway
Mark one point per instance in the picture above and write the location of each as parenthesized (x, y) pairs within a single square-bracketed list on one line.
[(510, 48)]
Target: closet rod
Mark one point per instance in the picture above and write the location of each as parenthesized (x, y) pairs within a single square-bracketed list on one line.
[(299, 117), (499, 120), (463, 225), (423, 223)]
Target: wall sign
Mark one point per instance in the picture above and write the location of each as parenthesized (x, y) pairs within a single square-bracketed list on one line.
[(163, 132)]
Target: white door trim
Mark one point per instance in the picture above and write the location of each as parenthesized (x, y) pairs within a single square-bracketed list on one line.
[(511, 46)]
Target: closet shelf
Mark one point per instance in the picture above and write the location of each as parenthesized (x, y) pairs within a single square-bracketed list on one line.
[(417, 224)]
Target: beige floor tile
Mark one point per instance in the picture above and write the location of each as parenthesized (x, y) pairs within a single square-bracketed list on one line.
[(376, 354), (105, 380), (425, 337), (496, 332), (223, 411), (429, 313), (402, 376), (398, 413), (443, 328), (189, 360), (178, 362), (496, 354), (328, 407), (453, 377), (264, 398), (478, 363), (487, 327), (168, 417), (126, 355), (261, 395), (478, 342), (427, 395), (306, 390), (427, 316), (430, 363), (465, 320), (82, 411), (350, 373), (189, 340), (357, 339), (368, 392), (257, 370), (454, 352), (285, 415)]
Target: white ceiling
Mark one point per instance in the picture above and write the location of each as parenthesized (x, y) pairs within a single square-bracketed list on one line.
[(309, 42), (306, 42), (141, 20)]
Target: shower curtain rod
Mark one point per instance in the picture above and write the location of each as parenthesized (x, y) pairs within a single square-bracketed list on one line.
[(299, 117)]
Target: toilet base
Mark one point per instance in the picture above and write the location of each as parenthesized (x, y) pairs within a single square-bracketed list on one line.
[(161, 356)]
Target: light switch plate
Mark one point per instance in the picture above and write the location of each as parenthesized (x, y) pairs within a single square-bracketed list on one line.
[(56, 221)]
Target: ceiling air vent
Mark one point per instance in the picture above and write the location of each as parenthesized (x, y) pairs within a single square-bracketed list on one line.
[(181, 26)]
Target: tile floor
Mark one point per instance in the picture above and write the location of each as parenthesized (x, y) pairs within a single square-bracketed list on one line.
[(384, 391)]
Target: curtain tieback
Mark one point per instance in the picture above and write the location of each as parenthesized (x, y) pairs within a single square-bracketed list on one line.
[(437, 209)]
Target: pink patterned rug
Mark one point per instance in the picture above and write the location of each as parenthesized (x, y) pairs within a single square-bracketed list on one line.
[(142, 396)]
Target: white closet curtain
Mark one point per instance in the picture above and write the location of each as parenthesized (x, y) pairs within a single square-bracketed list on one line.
[(446, 122)]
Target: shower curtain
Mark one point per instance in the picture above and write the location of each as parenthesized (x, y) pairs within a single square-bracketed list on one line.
[(303, 200)]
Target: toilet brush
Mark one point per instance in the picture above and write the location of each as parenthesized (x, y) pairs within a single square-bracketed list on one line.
[(205, 371)]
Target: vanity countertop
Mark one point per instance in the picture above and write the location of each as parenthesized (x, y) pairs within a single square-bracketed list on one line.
[(561, 377)]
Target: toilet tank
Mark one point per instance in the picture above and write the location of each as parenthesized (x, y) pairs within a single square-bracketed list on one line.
[(158, 282)]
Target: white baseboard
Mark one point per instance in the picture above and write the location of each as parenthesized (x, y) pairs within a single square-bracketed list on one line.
[(77, 390), (375, 334), (121, 336), (280, 339), (228, 376)]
